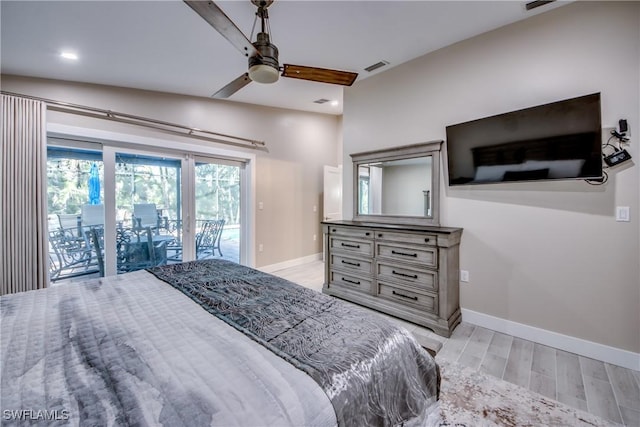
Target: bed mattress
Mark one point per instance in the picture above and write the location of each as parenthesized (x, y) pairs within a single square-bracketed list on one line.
[(195, 349)]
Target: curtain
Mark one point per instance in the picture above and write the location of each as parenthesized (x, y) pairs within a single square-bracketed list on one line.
[(24, 260)]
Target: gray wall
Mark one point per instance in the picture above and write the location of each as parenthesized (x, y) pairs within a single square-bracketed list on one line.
[(547, 254), (288, 179)]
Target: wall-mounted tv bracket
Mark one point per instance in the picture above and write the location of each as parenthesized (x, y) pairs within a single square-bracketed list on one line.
[(620, 138), (613, 151)]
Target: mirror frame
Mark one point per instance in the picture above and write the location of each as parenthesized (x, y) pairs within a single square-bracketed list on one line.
[(431, 148)]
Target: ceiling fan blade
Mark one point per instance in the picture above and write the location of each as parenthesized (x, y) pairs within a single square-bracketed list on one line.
[(322, 75), (232, 87), (211, 13)]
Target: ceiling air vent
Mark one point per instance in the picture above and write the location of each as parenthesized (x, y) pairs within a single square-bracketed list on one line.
[(377, 65), (321, 101), (537, 3)]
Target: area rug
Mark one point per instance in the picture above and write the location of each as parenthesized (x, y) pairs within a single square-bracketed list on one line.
[(472, 399)]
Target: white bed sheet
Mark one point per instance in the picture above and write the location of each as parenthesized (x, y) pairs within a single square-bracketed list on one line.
[(132, 348)]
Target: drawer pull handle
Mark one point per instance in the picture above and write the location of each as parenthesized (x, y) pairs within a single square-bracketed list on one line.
[(404, 254), (427, 240), (379, 235), (411, 276), (347, 245), (366, 234), (405, 296), (355, 264), (354, 282)]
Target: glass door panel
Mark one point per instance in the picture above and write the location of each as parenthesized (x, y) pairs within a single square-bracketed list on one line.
[(148, 201), (218, 209), (75, 203)]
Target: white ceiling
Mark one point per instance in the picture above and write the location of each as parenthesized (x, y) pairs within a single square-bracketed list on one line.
[(165, 46)]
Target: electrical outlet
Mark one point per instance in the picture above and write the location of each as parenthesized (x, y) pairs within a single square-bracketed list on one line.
[(260, 247), (464, 276), (315, 237), (315, 208), (260, 206), (622, 213)]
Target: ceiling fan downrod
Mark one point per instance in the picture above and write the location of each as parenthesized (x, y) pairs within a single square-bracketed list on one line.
[(264, 68)]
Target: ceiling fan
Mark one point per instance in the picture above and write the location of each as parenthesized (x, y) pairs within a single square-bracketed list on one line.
[(263, 55)]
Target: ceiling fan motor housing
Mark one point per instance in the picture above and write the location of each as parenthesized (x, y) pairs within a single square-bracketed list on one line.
[(264, 68)]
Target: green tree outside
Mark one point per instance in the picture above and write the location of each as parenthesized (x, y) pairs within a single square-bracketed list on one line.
[(217, 188)]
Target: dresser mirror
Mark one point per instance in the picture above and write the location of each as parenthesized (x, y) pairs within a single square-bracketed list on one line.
[(398, 185)]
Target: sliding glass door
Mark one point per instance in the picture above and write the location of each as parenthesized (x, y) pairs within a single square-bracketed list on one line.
[(217, 208), (115, 210)]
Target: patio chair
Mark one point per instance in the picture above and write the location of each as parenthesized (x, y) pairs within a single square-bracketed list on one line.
[(96, 238), (92, 215), (135, 249), (208, 239), (146, 215), (70, 255), (174, 246), (69, 221)]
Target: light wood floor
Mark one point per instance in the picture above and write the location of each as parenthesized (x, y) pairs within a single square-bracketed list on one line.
[(602, 389)]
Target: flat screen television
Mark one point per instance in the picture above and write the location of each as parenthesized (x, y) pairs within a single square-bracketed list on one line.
[(560, 140)]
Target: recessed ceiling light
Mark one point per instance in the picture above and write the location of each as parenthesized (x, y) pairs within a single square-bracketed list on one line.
[(334, 103), (69, 55)]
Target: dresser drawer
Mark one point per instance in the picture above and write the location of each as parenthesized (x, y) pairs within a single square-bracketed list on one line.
[(361, 247), (422, 279), (359, 265), (414, 238), (360, 233), (346, 281), (425, 256), (427, 302)]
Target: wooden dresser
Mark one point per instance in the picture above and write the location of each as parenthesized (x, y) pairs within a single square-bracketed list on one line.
[(407, 271)]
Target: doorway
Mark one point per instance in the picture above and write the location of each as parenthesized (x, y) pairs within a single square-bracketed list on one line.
[(175, 206)]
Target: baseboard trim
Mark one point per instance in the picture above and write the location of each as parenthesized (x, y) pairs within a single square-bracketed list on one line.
[(615, 356), (291, 263)]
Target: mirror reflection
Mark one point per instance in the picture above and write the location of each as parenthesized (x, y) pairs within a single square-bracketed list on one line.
[(396, 187)]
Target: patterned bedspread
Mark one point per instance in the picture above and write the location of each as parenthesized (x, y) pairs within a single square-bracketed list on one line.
[(132, 350), (374, 372)]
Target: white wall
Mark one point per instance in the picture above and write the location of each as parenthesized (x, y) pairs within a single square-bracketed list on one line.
[(548, 254), (288, 178)]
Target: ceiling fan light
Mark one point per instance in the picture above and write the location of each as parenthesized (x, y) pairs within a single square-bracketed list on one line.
[(262, 73)]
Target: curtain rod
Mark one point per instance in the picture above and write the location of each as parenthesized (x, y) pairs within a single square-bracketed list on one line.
[(145, 122)]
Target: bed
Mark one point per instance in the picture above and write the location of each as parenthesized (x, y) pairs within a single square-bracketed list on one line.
[(208, 342)]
